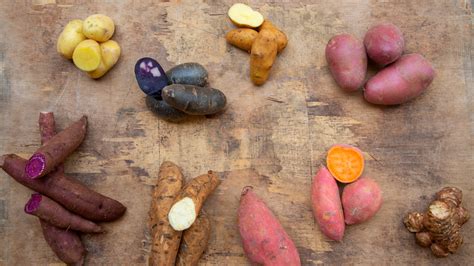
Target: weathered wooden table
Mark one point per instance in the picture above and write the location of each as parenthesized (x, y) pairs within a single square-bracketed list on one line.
[(272, 137)]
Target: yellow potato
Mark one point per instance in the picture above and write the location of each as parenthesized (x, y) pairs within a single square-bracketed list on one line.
[(99, 27), (69, 38), (87, 55), (244, 16), (262, 56), (280, 36), (110, 52), (242, 38)]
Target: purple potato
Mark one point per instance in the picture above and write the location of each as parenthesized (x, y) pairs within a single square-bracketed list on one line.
[(151, 77), (194, 100), (164, 110), (188, 73)]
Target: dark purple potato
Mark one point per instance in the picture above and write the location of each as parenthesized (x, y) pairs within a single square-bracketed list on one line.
[(188, 73), (151, 77), (194, 100), (164, 110)]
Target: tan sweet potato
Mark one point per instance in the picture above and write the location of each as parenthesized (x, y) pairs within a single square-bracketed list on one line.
[(361, 200), (188, 203), (194, 242), (280, 36), (242, 38), (347, 61), (327, 208), (262, 56), (400, 82), (264, 239), (166, 240)]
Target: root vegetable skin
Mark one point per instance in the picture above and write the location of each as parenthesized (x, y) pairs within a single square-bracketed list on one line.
[(194, 242), (242, 38), (326, 203), (262, 56), (361, 200), (110, 54), (69, 38), (65, 243), (280, 36), (384, 43), (50, 155), (54, 214), (99, 27), (439, 227), (166, 240), (400, 82), (188, 203), (264, 239)]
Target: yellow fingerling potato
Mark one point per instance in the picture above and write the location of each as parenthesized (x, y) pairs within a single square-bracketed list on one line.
[(280, 36), (87, 55), (262, 56), (99, 27), (69, 38), (244, 16), (242, 38), (110, 52)]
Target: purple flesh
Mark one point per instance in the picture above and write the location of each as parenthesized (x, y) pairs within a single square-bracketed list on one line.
[(35, 165), (33, 204), (151, 77)]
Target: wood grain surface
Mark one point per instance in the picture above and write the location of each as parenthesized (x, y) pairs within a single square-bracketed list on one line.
[(272, 137)]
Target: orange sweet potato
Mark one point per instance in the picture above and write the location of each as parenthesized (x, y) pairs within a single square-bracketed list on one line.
[(361, 200), (263, 238), (326, 204)]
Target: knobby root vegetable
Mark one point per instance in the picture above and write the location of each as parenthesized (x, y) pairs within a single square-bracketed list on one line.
[(65, 243), (244, 16), (164, 110), (401, 81), (188, 73), (264, 239), (56, 150), (384, 43), (110, 53), (280, 36), (347, 61), (361, 200), (188, 203), (194, 242), (326, 203), (345, 162), (165, 243), (69, 38), (262, 56), (439, 227), (194, 100), (242, 38), (73, 195), (99, 27), (87, 55), (54, 214)]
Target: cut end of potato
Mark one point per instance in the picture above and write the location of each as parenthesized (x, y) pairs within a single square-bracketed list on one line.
[(182, 214), (244, 16), (87, 55)]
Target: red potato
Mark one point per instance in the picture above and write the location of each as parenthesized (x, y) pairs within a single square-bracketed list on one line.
[(384, 43), (263, 238), (65, 243), (54, 214), (347, 61), (56, 150), (326, 203), (361, 200), (400, 82)]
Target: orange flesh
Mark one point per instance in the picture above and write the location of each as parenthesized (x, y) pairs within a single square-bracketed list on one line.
[(345, 163)]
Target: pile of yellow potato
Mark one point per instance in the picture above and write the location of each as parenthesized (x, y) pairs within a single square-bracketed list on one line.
[(88, 44)]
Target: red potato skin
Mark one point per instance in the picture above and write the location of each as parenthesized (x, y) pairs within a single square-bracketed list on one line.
[(384, 43), (264, 239), (65, 243), (361, 200), (326, 203), (347, 61), (57, 149), (400, 82)]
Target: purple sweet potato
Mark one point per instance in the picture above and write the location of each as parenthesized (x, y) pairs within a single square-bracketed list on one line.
[(263, 238), (65, 243), (50, 155), (384, 43), (55, 214), (327, 208), (400, 82), (347, 61), (70, 193), (361, 200)]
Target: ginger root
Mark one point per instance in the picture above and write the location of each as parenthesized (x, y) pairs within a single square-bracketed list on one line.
[(439, 227)]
